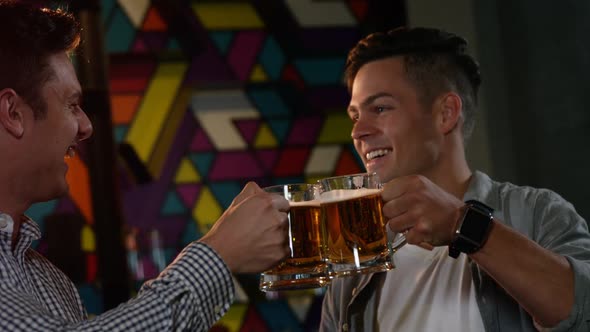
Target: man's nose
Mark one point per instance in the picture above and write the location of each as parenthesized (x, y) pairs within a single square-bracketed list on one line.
[(85, 127)]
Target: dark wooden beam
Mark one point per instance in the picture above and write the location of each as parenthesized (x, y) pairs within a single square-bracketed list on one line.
[(101, 157)]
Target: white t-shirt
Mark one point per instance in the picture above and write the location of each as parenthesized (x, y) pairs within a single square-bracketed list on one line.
[(434, 293)]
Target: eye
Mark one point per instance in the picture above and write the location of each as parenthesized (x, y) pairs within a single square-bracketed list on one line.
[(381, 108)]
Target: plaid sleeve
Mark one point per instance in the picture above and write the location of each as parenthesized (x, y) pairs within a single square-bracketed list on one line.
[(191, 294)]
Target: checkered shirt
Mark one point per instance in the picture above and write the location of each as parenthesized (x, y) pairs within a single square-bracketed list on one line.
[(191, 294)]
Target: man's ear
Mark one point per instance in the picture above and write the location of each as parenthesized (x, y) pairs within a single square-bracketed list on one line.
[(11, 113), (449, 115)]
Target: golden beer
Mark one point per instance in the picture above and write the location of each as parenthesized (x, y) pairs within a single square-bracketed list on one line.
[(305, 239), (305, 267), (355, 226)]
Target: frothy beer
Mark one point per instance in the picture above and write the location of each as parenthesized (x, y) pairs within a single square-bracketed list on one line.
[(306, 240), (354, 225)]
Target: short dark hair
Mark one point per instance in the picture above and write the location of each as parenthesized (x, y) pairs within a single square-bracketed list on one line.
[(435, 61), (30, 35)]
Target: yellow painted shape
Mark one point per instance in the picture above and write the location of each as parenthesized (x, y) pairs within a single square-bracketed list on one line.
[(88, 239), (265, 138), (207, 210), (158, 99), (186, 172), (161, 148), (336, 129), (315, 177), (258, 74), (233, 319), (227, 15)]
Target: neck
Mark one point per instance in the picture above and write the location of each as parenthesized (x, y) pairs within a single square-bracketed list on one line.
[(452, 174)]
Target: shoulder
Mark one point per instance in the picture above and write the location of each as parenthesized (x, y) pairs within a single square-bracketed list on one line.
[(507, 196)]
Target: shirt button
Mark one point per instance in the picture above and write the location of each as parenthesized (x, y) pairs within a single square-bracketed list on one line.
[(345, 327)]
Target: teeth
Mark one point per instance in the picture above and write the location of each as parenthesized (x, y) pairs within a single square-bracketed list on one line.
[(377, 153), (71, 153)]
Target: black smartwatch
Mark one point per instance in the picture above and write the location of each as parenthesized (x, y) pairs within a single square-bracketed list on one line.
[(473, 228)]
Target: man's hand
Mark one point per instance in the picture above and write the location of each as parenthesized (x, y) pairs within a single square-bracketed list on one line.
[(423, 211), (251, 235)]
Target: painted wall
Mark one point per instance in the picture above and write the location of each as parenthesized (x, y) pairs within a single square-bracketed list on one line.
[(206, 96)]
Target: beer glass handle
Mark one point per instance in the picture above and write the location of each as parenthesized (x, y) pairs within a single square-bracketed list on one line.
[(398, 241)]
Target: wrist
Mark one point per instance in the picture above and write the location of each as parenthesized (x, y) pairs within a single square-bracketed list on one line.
[(472, 228)]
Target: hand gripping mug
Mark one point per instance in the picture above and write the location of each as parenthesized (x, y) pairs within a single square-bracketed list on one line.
[(357, 240), (305, 267)]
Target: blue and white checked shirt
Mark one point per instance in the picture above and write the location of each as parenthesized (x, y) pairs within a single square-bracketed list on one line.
[(191, 294)]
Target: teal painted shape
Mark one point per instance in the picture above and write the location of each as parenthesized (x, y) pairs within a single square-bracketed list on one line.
[(202, 162), (119, 133), (321, 71), (120, 33), (172, 205), (106, 9), (38, 211), (190, 233), (268, 102), (173, 45), (272, 58), (170, 253), (92, 298), (222, 40), (279, 316), (289, 180), (225, 192), (280, 127)]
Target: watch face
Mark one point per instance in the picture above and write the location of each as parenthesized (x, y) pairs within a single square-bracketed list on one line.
[(475, 225)]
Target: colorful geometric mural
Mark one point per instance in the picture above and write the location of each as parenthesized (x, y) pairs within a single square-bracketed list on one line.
[(208, 96)]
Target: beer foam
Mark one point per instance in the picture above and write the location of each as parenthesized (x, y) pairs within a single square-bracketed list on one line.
[(314, 202), (344, 194)]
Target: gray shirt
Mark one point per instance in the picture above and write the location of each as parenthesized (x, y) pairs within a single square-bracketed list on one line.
[(539, 214)]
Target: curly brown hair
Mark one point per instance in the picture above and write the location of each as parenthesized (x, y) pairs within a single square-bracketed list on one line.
[(30, 35)]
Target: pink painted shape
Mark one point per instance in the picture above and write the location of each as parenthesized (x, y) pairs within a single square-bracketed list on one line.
[(201, 142), (248, 128), (235, 165), (188, 193), (243, 52), (305, 130), (209, 67), (139, 46), (65, 205), (268, 158)]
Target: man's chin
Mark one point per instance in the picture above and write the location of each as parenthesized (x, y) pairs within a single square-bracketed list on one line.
[(58, 192)]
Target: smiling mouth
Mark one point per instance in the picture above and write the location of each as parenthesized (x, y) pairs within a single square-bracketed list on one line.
[(377, 153)]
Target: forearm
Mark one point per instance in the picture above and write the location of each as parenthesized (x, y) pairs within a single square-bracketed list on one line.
[(190, 295), (540, 281)]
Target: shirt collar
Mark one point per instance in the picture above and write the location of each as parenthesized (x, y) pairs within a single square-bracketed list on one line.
[(28, 228), (481, 189)]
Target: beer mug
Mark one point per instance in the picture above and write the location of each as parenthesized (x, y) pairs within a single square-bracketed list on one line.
[(357, 240), (305, 267)]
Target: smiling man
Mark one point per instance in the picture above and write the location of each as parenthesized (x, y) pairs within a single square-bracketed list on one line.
[(41, 124), (498, 257)]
